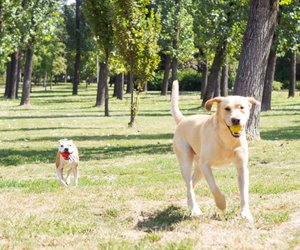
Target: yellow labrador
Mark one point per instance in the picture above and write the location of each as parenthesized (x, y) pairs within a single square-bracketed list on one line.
[(210, 141)]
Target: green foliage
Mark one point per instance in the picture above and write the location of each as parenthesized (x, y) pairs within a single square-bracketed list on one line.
[(277, 85), (175, 18)]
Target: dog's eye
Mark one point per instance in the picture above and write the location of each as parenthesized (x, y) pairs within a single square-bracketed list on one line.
[(227, 109), (61, 146), (242, 107)]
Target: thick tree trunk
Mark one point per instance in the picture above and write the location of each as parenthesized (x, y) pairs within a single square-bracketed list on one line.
[(215, 74), (103, 77), (253, 60), (78, 48), (27, 77), (106, 108), (204, 79), (165, 84), (119, 84), (267, 92), (224, 79), (292, 83), (174, 69), (14, 76)]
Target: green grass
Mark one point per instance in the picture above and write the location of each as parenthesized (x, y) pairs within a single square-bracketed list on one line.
[(131, 194)]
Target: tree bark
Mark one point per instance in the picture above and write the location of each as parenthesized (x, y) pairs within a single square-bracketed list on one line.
[(224, 79), (119, 86), (8, 79), (14, 76), (103, 77), (78, 49), (215, 74), (129, 83), (165, 84), (292, 83), (257, 42), (204, 79), (174, 69), (132, 108), (27, 77), (267, 92), (19, 72)]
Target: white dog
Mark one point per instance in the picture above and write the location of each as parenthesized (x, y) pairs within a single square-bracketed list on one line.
[(210, 141), (67, 157)]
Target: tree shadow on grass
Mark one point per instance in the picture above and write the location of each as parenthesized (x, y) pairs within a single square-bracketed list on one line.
[(164, 220), (15, 157), (286, 133)]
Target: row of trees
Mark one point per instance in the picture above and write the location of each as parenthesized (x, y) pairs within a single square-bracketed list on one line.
[(138, 37)]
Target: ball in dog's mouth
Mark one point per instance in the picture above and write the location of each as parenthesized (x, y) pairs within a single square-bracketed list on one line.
[(65, 155), (236, 130)]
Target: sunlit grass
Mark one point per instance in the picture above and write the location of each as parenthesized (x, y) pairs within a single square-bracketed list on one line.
[(131, 194)]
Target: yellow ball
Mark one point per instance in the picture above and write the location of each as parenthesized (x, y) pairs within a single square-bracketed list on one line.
[(236, 129)]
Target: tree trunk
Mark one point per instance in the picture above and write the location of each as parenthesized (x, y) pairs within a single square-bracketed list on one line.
[(292, 83), (174, 69), (8, 79), (267, 92), (204, 78), (224, 79), (119, 84), (129, 83), (215, 73), (78, 48), (14, 76), (165, 84), (253, 60), (19, 72), (27, 77), (103, 77), (132, 107), (106, 108)]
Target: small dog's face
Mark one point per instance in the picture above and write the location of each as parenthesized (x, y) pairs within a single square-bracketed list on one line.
[(66, 146), (234, 111)]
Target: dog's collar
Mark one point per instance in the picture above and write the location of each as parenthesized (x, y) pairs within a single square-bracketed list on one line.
[(234, 135)]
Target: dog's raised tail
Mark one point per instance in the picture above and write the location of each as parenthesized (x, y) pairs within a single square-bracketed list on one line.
[(177, 115)]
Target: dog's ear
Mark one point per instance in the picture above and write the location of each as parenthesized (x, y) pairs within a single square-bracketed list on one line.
[(210, 102), (251, 101)]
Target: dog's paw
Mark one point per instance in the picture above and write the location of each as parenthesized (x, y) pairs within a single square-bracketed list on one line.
[(196, 212), (68, 181), (247, 215), (220, 200)]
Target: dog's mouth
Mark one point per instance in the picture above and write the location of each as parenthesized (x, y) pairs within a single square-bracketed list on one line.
[(236, 130), (65, 155)]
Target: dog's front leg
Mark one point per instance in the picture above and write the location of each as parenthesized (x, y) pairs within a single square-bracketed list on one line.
[(218, 195), (75, 172), (241, 161), (59, 172)]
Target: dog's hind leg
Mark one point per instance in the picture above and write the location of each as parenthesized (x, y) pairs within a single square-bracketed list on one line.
[(75, 172), (197, 171), (218, 195), (185, 157)]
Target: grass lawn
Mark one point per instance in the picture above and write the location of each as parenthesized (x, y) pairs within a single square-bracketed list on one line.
[(131, 194)]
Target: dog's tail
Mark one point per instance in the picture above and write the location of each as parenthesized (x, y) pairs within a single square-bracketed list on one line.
[(177, 115)]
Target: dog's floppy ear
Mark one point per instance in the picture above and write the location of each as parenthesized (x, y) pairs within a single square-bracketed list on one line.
[(251, 101), (210, 102)]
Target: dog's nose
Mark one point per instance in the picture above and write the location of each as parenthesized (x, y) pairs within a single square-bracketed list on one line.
[(235, 121), (66, 149)]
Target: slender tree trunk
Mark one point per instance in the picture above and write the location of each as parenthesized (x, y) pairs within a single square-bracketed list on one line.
[(292, 83), (204, 79), (78, 48), (132, 107), (253, 60), (8, 79), (19, 72), (119, 86), (215, 73), (27, 77), (267, 92), (129, 83), (224, 79), (106, 94), (165, 84)]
